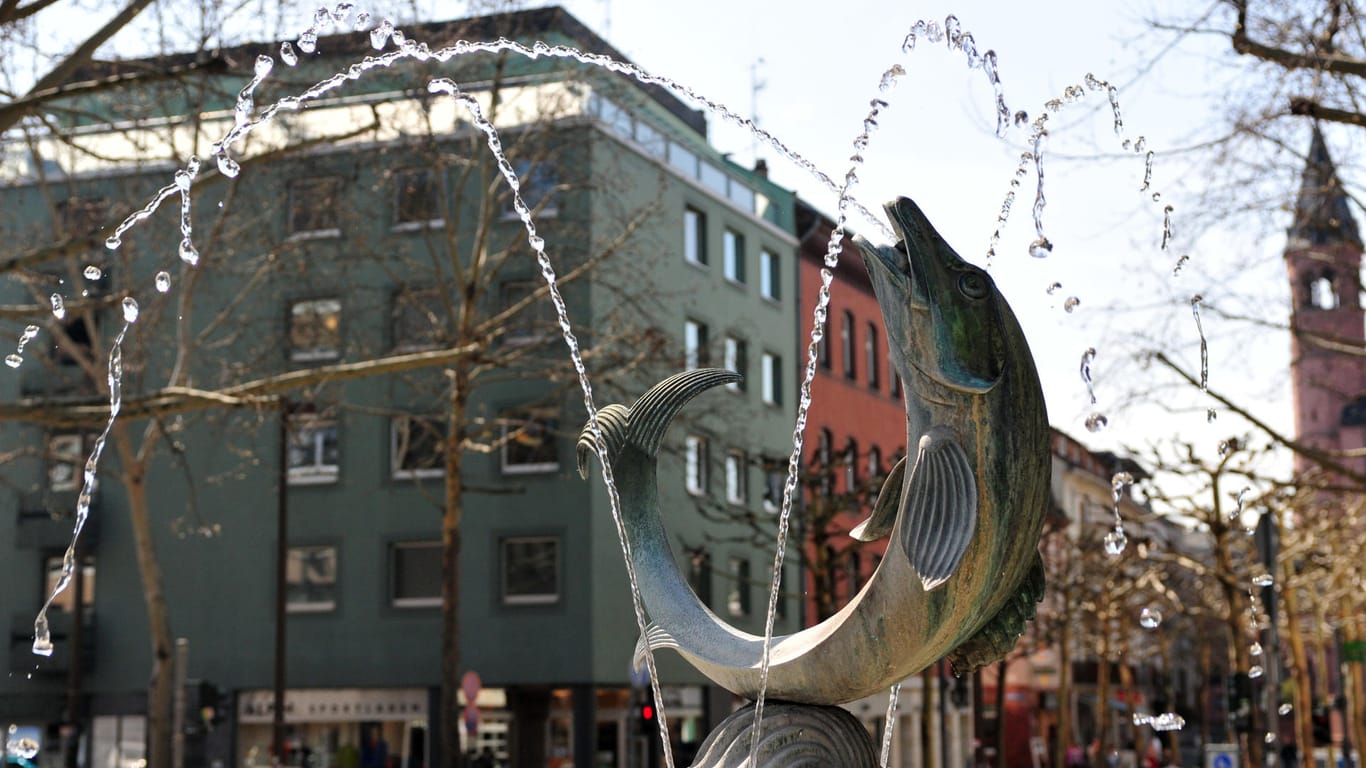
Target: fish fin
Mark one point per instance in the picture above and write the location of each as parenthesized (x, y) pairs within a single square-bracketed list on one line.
[(995, 639), (651, 414), (883, 516), (941, 508), (613, 422), (657, 637)]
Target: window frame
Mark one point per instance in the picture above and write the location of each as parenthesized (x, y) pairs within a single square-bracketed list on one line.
[(317, 606), (316, 352), (739, 602), (399, 472), (416, 298), (695, 465), (696, 339), (735, 357), (505, 597), (733, 256), (546, 420), (737, 472), (870, 354), (426, 601), (293, 228), (434, 206), (318, 472), (770, 275), (534, 177), (771, 379), (847, 357), (65, 449), (694, 236), (533, 323)]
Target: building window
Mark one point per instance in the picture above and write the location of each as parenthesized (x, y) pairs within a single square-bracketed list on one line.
[(874, 463), (737, 359), (694, 236), (733, 255), (736, 491), (417, 199), (847, 343), (694, 345), (737, 600), (823, 347), (772, 378), (774, 480), (314, 452), (850, 462), (52, 569), (699, 574), (537, 182), (315, 330), (695, 464), (870, 355), (824, 463), (528, 441), (415, 574), (770, 278), (1322, 293), (313, 207), (419, 316), (852, 573), (64, 462), (530, 570), (534, 322), (311, 579), (896, 383), (417, 447)]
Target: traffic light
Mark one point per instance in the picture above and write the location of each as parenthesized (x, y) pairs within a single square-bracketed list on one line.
[(1323, 729), (647, 712)]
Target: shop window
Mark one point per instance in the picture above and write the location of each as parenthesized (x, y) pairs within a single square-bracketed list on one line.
[(313, 207), (419, 317), (695, 464), (315, 330), (530, 570), (417, 199), (417, 447), (529, 443), (314, 451), (415, 574), (311, 579)]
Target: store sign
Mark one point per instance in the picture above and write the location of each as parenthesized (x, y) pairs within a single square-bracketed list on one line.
[(1354, 651), (334, 705)]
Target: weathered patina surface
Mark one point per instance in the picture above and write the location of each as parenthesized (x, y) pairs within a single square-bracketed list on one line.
[(961, 574)]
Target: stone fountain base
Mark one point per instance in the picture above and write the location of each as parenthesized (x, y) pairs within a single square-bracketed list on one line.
[(793, 735)]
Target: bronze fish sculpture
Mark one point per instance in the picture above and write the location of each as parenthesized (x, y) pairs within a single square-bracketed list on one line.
[(962, 571)]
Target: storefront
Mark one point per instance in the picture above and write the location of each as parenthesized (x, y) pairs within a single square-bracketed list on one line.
[(337, 728)]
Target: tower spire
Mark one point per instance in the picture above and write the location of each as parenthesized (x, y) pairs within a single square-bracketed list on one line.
[(1323, 212)]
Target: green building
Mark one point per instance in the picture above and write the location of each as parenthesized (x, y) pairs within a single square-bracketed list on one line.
[(367, 263)]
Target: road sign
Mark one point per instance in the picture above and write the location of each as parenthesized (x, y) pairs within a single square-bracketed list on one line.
[(471, 684), (471, 720), (1221, 755)]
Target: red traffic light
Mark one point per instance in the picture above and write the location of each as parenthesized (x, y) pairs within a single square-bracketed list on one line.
[(647, 712)]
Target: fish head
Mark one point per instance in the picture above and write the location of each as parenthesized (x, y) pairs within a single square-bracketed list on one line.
[(943, 315)]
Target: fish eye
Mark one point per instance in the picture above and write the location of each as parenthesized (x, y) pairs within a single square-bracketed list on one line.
[(973, 286)]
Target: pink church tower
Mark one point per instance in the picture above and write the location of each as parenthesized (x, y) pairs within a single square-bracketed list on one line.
[(1327, 339)]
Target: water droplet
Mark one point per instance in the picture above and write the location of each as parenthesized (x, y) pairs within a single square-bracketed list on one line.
[(227, 166), (1150, 618), (264, 64), (1041, 248), (58, 306), (1127, 144), (1157, 196), (1285, 709), (1255, 671), (188, 253), (130, 309), (14, 360), (1140, 144), (1269, 738), (93, 272), (1087, 358), (362, 20), (1116, 541), (379, 36), (1053, 288), (1224, 447), (113, 243), (308, 41), (1263, 580), (1142, 718), (1168, 721), (42, 644), (1021, 117), (287, 54), (1096, 422), (889, 78), (1119, 481), (1180, 263), (163, 281), (30, 333), (342, 11), (1071, 303), (536, 242), (1211, 415), (1255, 649)]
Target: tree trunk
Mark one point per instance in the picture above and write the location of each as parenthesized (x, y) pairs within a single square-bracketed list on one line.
[(450, 715), (1102, 697), (161, 687), (1001, 669), (1064, 739), (1355, 686), (1304, 702)]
